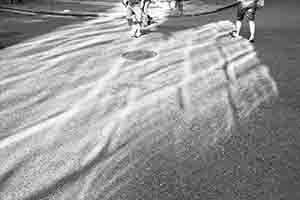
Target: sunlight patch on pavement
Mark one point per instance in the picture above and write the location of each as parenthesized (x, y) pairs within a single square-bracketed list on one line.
[(71, 88)]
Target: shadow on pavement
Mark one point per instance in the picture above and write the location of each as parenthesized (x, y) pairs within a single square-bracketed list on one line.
[(17, 27), (29, 26), (196, 13)]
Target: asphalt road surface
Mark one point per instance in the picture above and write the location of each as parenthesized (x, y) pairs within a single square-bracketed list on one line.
[(261, 160), (266, 151), (15, 28), (273, 142)]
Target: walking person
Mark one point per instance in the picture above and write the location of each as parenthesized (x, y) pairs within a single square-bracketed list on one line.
[(179, 6), (247, 8), (134, 16), (145, 7)]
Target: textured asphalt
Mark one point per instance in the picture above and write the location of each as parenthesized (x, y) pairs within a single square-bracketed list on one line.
[(97, 9), (261, 161), (267, 151)]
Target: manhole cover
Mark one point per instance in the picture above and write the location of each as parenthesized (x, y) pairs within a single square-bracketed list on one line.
[(139, 54)]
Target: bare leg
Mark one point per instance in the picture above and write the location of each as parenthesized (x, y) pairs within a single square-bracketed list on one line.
[(137, 21), (138, 30), (238, 27), (252, 30), (170, 4), (146, 17), (180, 7)]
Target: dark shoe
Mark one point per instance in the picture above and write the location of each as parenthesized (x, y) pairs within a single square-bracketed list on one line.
[(149, 20), (251, 41)]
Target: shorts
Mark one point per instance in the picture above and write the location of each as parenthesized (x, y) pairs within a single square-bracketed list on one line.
[(134, 13), (248, 12)]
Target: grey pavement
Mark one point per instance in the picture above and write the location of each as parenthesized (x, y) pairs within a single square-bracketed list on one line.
[(66, 7), (98, 8), (18, 25), (59, 87), (98, 126)]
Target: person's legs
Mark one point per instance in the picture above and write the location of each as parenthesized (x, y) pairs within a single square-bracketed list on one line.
[(133, 27), (238, 25), (138, 29), (170, 2), (146, 17), (137, 20), (240, 16), (251, 18), (131, 19), (179, 6), (252, 30), (129, 16)]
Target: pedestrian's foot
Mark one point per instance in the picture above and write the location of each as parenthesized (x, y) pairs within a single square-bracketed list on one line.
[(251, 40), (149, 20), (138, 34), (133, 33), (234, 34), (179, 12)]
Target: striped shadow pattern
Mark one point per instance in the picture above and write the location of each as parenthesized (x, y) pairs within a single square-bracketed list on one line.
[(78, 121)]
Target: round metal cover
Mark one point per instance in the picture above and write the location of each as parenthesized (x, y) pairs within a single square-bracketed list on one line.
[(139, 54)]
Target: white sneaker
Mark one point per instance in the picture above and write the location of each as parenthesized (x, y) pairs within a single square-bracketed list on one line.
[(138, 33), (234, 34)]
